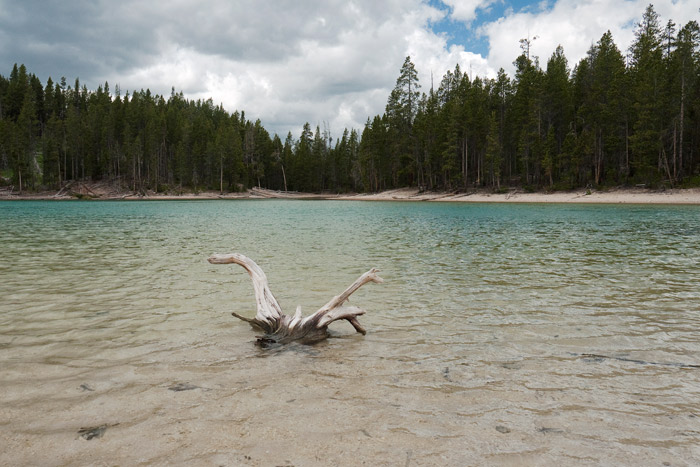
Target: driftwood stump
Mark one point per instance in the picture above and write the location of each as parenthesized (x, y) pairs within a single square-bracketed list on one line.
[(280, 328)]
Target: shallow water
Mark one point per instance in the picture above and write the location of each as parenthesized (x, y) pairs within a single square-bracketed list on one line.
[(503, 334)]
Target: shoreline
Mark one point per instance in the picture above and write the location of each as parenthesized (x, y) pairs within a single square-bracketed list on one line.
[(675, 196)]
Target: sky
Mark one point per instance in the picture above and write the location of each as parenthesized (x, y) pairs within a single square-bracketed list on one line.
[(331, 63)]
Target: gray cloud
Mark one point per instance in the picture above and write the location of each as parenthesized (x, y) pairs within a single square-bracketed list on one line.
[(72, 39), (311, 61)]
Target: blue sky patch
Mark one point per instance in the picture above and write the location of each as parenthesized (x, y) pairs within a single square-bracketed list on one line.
[(467, 35)]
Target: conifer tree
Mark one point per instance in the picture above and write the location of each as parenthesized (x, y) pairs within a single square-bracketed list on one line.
[(24, 162), (646, 67), (684, 82)]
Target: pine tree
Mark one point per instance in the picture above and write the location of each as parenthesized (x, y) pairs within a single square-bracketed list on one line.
[(18, 86), (24, 163), (646, 67), (557, 105), (407, 93), (494, 154), (427, 144), (502, 100), (401, 110), (605, 108), (527, 113), (683, 70)]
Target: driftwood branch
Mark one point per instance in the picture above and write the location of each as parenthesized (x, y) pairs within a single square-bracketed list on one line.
[(281, 328)]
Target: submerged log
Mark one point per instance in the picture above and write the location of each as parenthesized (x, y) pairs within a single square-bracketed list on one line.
[(280, 328)]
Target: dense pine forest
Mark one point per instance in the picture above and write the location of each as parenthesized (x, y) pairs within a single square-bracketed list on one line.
[(613, 119)]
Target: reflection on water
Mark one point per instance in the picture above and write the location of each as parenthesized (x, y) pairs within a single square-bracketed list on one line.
[(503, 334)]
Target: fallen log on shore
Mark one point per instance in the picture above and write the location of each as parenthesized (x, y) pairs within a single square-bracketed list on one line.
[(280, 328)]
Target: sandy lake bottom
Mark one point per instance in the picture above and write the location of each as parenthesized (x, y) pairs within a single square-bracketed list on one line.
[(503, 335)]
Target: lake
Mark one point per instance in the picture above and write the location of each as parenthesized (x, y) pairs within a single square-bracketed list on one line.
[(503, 334)]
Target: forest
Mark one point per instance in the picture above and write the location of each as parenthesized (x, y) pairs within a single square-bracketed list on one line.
[(613, 119)]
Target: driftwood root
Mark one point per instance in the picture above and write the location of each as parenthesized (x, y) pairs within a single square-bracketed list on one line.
[(280, 328)]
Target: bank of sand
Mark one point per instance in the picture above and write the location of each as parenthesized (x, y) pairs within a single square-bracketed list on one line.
[(101, 191), (612, 196)]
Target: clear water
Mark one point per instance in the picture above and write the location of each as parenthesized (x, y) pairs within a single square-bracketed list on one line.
[(503, 335)]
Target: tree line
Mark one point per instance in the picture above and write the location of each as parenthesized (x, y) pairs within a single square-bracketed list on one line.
[(53, 134), (613, 120)]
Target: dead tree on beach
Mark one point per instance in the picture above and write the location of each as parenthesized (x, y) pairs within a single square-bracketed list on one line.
[(280, 328)]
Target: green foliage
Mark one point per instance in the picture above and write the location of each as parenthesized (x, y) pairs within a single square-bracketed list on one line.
[(691, 182), (646, 89)]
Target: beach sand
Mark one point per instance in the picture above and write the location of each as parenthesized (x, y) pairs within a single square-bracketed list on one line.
[(612, 196), (104, 191)]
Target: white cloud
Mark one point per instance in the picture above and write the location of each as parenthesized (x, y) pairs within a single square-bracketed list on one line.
[(431, 54), (465, 10), (332, 62), (576, 25)]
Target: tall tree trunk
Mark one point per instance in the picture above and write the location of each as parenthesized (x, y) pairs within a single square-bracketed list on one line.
[(58, 164), (675, 154), (627, 148), (479, 169), (680, 142), (598, 155), (663, 159), (465, 162)]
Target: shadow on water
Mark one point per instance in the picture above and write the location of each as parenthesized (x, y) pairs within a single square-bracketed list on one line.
[(271, 347)]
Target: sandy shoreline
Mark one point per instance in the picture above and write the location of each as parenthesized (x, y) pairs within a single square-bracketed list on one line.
[(613, 196)]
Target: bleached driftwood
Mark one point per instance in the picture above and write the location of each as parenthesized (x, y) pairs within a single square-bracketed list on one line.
[(280, 328)]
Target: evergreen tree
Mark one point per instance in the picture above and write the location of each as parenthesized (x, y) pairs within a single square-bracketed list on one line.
[(406, 92), (17, 87), (401, 110), (646, 67), (24, 163), (494, 154), (502, 101), (557, 105), (287, 158), (683, 67), (527, 112), (603, 109)]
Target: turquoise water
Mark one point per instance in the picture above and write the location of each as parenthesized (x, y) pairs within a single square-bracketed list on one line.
[(504, 333)]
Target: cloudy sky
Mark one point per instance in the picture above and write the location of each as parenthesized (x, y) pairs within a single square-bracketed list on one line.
[(329, 62)]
